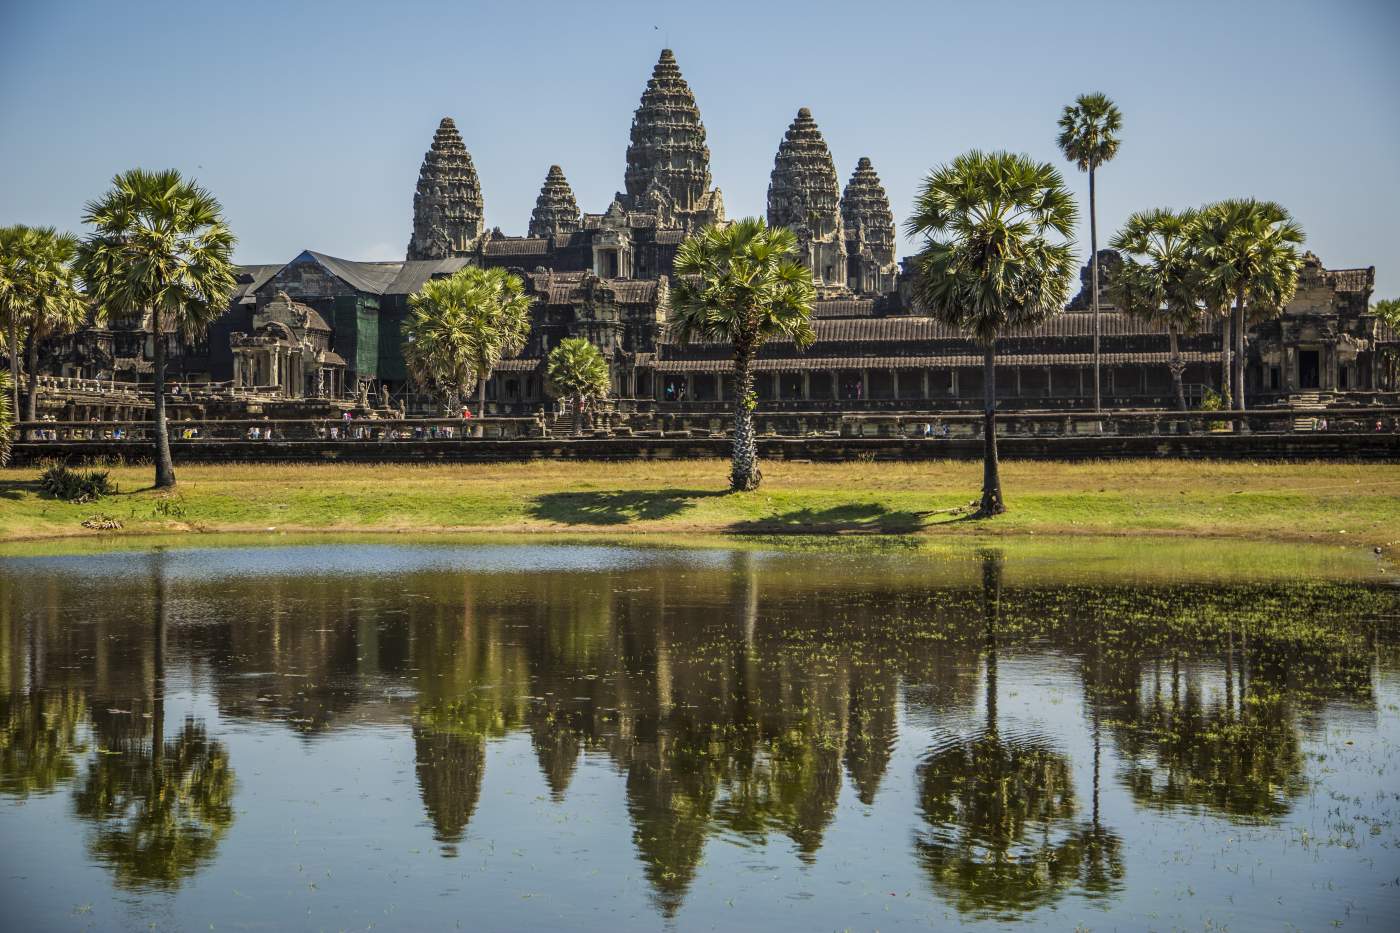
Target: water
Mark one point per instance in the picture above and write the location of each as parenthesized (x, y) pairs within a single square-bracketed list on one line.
[(607, 738)]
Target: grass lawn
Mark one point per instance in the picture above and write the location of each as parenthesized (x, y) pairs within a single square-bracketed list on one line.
[(1335, 503)]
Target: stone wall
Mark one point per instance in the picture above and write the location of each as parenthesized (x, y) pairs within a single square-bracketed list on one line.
[(1213, 446)]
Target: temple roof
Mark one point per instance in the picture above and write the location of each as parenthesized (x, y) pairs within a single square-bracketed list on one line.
[(865, 208), (517, 246), (913, 329), (809, 362), (803, 188), (556, 210), (447, 205), (667, 146)]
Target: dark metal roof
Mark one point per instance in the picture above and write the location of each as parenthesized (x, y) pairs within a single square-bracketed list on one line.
[(415, 273), (371, 277)]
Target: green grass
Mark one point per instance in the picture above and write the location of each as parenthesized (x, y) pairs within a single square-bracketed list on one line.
[(1335, 503)]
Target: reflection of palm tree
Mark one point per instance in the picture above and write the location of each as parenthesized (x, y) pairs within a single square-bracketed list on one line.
[(158, 809), (998, 807), (1240, 758), (38, 740)]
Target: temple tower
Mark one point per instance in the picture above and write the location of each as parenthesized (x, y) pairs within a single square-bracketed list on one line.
[(804, 196), (447, 207), (870, 236), (668, 163), (556, 211)]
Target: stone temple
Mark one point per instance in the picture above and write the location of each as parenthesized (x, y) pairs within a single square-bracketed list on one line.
[(319, 328)]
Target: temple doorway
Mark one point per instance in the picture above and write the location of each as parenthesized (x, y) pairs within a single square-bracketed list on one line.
[(1308, 369)]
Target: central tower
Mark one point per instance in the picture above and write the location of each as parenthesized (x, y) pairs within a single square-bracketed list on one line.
[(805, 197), (668, 163)]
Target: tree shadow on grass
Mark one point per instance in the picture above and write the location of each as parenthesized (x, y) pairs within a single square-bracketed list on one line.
[(615, 508), (17, 488), (855, 518)]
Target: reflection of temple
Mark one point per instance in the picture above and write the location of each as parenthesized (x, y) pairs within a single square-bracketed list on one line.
[(721, 702), (288, 353)]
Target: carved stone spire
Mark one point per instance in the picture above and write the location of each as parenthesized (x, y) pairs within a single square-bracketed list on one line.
[(447, 207), (667, 159), (805, 196), (870, 236), (556, 211)]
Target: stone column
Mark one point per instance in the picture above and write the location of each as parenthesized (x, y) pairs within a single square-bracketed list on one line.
[(806, 385), (923, 378), (894, 383)]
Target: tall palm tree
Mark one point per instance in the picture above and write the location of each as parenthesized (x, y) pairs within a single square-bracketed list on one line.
[(577, 372), (16, 245), (1249, 257), (998, 256), (1157, 282), (461, 327), (160, 247), (49, 301), (1089, 138), (743, 285)]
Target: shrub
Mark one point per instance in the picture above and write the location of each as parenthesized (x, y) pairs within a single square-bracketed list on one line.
[(1211, 400), (74, 485)]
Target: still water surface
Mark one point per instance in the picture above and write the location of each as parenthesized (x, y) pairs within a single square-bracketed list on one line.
[(605, 738)]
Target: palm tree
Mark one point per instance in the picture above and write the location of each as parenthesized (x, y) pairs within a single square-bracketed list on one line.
[(7, 418), (1089, 138), (1158, 280), (1249, 254), (577, 372), (45, 301), (161, 247), (16, 245), (741, 283), (990, 265), (461, 327)]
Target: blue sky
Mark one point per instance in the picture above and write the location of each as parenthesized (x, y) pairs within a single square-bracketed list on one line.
[(309, 120)]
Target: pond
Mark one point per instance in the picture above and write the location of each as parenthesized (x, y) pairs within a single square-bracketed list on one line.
[(597, 736)]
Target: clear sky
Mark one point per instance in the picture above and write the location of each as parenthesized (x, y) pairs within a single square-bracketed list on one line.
[(309, 119)]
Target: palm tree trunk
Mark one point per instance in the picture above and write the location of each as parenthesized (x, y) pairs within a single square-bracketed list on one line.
[(992, 503), (481, 404), (576, 402), (31, 360), (14, 364), (1094, 282), (744, 474), (1176, 367), (1237, 362), (165, 467), (1225, 361)]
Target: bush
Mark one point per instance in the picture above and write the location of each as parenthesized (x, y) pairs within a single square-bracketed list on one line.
[(75, 486), (1211, 400)]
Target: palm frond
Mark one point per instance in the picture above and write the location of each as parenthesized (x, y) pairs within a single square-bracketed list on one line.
[(997, 251), (1089, 131), (740, 283)]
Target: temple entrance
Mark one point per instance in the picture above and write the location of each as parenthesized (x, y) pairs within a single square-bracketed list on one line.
[(1309, 369)]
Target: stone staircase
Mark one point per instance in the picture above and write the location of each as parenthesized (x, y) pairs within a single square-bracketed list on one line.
[(1308, 406), (561, 425)]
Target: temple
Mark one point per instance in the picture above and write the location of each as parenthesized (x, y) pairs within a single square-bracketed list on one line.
[(319, 329)]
